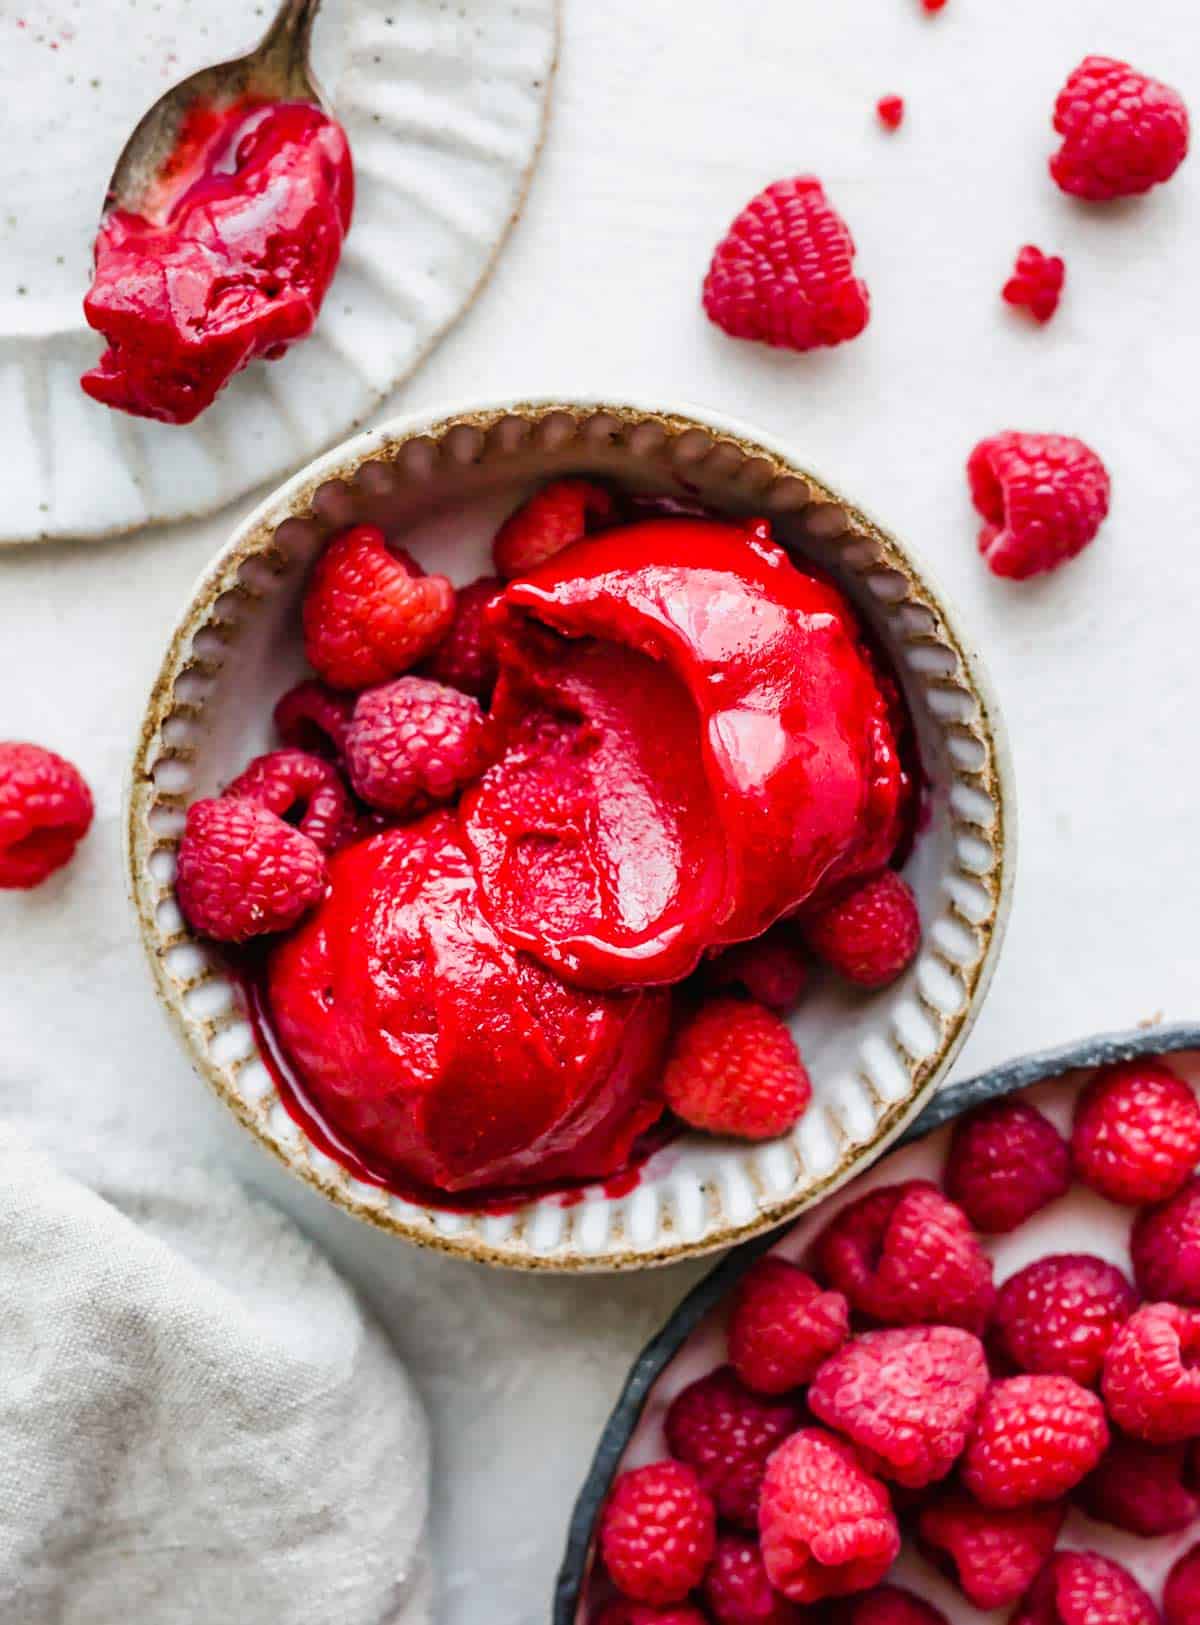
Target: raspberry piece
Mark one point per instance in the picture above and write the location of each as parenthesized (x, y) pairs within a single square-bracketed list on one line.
[(1059, 1315), (725, 1434), (1036, 284), (466, 656), (368, 613), (1006, 1162), (244, 872), (782, 1326), (314, 718), (868, 934), (891, 111), (890, 1605), (1165, 1246), (1151, 1381), (784, 272), (45, 811), (904, 1255), (1181, 1593), (1035, 1438), (303, 790), (657, 1532), (1141, 1488), (624, 1612), (1083, 1588), (827, 1526), (1043, 497), (552, 519), (905, 1399), (771, 969), (734, 1069), (1137, 1132), (1122, 133), (413, 743), (737, 1591), (994, 1556)]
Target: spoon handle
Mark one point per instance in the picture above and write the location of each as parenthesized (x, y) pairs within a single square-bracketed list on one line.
[(289, 34)]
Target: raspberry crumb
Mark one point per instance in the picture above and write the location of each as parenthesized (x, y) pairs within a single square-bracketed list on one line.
[(45, 811), (891, 111), (1006, 1162), (1137, 1132), (782, 1326), (734, 1069), (726, 1434), (1036, 283), (1122, 132), (1043, 498), (657, 1533)]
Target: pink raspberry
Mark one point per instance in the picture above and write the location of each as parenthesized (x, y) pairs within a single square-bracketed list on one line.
[(1036, 283), (736, 1590), (625, 1612), (657, 1533), (782, 1326), (890, 1605), (734, 1069), (1122, 133), (904, 1255), (1034, 1439), (1137, 1132), (1043, 497), (1151, 1378), (904, 1398), (771, 969), (45, 811), (869, 933), (466, 656), (1060, 1314), (314, 718), (827, 1526), (994, 1556), (1181, 1594), (243, 872), (553, 519), (1006, 1162), (303, 790), (1165, 1246), (891, 111), (725, 1434), (1083, 1588), (1142, 1488), (414, 743)]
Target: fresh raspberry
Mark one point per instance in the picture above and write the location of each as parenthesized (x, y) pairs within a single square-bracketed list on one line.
[(1083, 1588), (784, 272), (1043, 497), (725, 1434), (1122, 133), (869, 933), (1137, 1132), (625, 1612), (552, 519), (1181, 1593), (368, 613), (889, 1605), (904, 1255), (1059, 1315), (904, 1398), (1165, 1246), (1035, 1438), (827, 1526), (734, 1069), (1142, 1488), (994, 1556), (413, 743), (891, 111), (1036, 284), (771, 969), (782, 1326), (244, 872), (314, 718), (1151, 1379), (303, 790), (1006, 1162), (657, 1533), (737, 1591), (466, 656), (45, 811)]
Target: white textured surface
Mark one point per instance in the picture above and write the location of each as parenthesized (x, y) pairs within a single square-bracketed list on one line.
[(667, 118)]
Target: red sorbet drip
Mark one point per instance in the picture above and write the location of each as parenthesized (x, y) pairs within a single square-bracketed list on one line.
[(230, 262)]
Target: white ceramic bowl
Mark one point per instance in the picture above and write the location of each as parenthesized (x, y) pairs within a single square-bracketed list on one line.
[(443, 481)]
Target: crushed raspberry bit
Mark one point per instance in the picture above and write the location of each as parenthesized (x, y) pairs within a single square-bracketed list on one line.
[(994, 1556), (771, 969), (303, 790), (1043, 498), (1122, 133), (314, 718), (737, 1591), (243, 872), (1005, 1163), (45, 811), (1083, 1588), (1151, 1379), (782, 1326), (1059, 1315), (558, 515), (726, 1434), (414, 743), (1137, 1132), (1036, 284), (657, 1533), (1181, 1593), (891, 111), (1035, 1438), (869, 933), (1142, 1488), (1165, 1246), (890, 1605), (466, 656), (734, 1069)]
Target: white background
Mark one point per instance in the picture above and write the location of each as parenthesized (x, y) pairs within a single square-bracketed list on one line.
[(668, 117)]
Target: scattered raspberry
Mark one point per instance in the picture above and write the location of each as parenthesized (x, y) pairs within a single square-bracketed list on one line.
[(1165, 1246), (1043, 496), (1035, 1438), (1142, 1488), (1151, 1381), (1083, 1588), (994, 1556), (904, 1398), (827, 1526), (891, 111), (657, 1532), (45, 811), (725, 1434), (736, 1588), (303, 790), (1181, 1594), (314, 718), (1122, 133), (870, 933), (783, 274), (734, 1069), (1059, 1315), (1006, 1162), (368, 612), (413, 743), (1137, 1132), (466, 656), (552, 519), (625, 1612), (933, 5), (782, 1326), (1036, 284), (771, 969), (890, 1605), (244, 872), (904, 1255)]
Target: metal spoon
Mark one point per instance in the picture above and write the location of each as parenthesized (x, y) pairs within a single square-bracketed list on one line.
[(276, 70)]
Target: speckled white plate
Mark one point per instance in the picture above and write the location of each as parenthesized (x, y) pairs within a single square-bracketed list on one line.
[(443, 482), (444, 102)]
